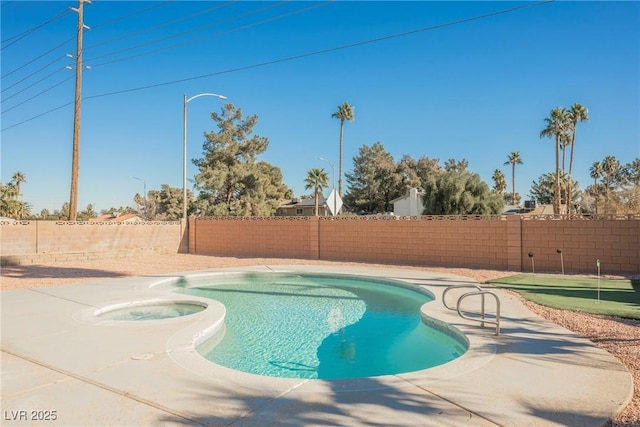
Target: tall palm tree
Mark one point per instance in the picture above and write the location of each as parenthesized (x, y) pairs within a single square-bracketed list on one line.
[(317, 179), (345, 112), (557, 126), (595, 171), (577, 113), (18, 178), (513, 160)]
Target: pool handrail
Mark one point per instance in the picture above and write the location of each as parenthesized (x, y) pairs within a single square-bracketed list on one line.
[(444, 293), (482, 293)]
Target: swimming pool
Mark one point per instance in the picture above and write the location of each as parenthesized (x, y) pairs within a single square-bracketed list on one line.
[(323, 326)]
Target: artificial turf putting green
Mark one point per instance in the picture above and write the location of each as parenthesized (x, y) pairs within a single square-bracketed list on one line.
[(618, 297)]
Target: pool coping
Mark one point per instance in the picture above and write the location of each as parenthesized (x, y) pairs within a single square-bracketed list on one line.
[(536, 373)]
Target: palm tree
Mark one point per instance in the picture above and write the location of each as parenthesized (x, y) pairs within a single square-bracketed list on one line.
[(610, 173), (18, 178), (557, 126), (317, 179), (345, 112), (499, 182), (513, 160), (595, 171), (577, 113)]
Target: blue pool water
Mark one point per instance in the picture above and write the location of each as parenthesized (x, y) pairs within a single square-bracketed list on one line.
[(322, 326)]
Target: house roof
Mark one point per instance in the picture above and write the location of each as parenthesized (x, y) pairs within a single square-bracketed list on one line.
[(301, 203)]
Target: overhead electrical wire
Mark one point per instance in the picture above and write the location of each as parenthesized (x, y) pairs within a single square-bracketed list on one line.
[(70, 40), (303, 55), (38, 57), (12, 40), (139, 12), (164, 24), (192, 30), (5, 98), (218, 34), (38, 94), (182, 44)]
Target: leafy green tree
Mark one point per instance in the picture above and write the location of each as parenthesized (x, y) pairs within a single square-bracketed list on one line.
[(344, 112), (631, 172), (577, 113), (316, 180), (460, 193), (87, 214), (543, 190), (414, 173), (164, 204), (513, 159), (231, 180), (453, 165), (557, 125), (373, 182), (264, 191)]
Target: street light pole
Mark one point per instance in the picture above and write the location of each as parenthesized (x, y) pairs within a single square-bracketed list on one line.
[(184, 147), (333, 174)]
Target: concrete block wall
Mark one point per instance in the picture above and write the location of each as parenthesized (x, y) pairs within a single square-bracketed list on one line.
[(32, 240), (436, 241), (18, 237), (449, 241), (278, 237), (616, 243)]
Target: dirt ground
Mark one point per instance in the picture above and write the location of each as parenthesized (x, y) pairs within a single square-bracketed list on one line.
[(620, 337)]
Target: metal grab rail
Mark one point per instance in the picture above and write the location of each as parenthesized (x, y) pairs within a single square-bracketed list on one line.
[(444, 294), (444, 302), (482, 293)]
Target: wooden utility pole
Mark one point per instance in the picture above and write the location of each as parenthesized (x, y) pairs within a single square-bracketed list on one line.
[(75, 161)]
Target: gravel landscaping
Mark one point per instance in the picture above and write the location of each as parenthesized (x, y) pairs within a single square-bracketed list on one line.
[(620, 337)]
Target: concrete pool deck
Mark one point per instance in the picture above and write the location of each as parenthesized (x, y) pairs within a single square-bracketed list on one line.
[(59, 361)]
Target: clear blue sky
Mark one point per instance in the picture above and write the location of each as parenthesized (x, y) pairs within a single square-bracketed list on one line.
[(476, 90)]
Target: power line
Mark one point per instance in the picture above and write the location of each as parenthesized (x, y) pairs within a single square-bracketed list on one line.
[(19, 37), (37, 95), (155, 27), (221, 33), (32, 74), (139, 12), (69, 40), (38, 57), (6, 98), (242, 15), (328, 50), (134, 56), (300, 56)]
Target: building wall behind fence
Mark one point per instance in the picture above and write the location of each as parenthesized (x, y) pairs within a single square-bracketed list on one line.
[(25, 242), (448, 241)]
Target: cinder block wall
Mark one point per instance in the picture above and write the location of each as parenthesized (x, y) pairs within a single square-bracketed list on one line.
[(60, 237), (616, 243), (448, 241), (436, 241), (18, 238), (277, 237)]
